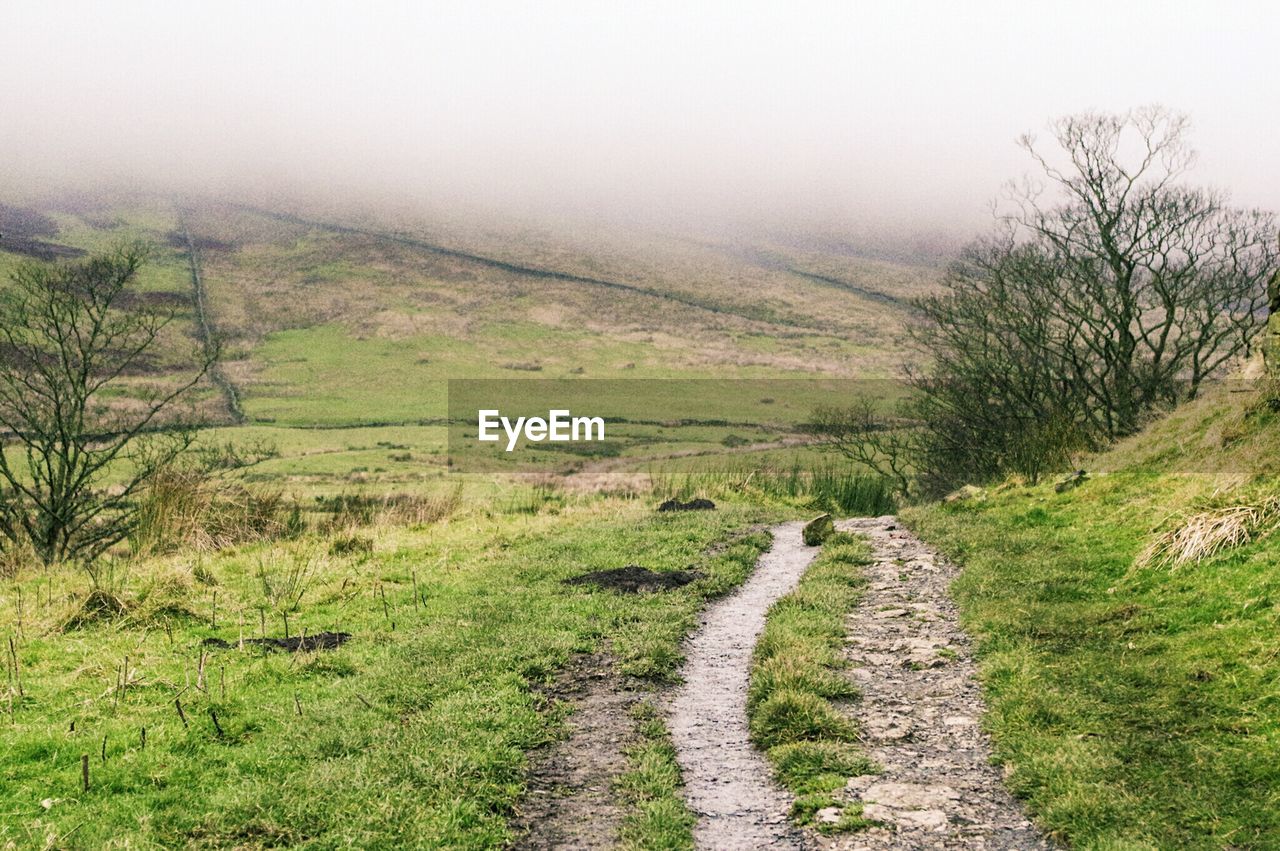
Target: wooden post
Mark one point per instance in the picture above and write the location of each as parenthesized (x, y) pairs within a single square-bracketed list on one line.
[(216, 726), (17, 672), (142, 735), (84, 771)]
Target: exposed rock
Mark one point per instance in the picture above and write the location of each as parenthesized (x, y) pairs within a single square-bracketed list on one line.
[(818, 530), (968, 493), (1074, 480), (828, 815)]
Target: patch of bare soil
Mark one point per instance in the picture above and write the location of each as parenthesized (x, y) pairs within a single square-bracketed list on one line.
[(318, 641), (698, 504), (634, 579), (920, 711), (570, 802)]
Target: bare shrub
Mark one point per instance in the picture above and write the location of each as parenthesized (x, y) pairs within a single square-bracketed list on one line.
[(287, 575)]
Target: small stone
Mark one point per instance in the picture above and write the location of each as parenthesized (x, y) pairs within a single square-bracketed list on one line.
[(890, 613), (861, 782), (968, 493), (828, 815)]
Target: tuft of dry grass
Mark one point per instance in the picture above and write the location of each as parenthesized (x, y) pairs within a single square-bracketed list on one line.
[(187, 509), (1209, 532)]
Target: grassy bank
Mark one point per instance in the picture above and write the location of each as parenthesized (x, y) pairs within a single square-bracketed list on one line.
[(1134, 706), (797, 673), (411, 734)]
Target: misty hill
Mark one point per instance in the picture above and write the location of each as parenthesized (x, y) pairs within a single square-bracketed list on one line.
[(346, 319)]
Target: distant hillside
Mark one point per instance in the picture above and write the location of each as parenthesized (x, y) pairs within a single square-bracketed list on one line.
[(337, 322)]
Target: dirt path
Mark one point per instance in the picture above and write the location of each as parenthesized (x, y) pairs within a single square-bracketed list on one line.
[(570, 802), (920, 710), (727, 781)]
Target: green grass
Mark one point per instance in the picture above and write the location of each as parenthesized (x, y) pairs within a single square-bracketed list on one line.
[(657, 816), (798, 679), (411, 735), (812, 481), (1132, 708)]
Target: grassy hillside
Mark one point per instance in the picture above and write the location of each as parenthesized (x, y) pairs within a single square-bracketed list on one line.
[(353, 323), (1135, 705)]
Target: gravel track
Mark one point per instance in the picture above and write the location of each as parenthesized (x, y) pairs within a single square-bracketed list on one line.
[(727, 781)]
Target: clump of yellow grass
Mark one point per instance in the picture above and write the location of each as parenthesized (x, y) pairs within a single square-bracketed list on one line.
[(1209, 532)]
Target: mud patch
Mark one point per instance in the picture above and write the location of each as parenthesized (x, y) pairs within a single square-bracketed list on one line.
[(569, 801), (692, 505), (634, 579), (319, 641)]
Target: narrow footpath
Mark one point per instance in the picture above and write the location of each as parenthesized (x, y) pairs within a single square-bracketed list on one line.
[(919, 712), (727, 781)]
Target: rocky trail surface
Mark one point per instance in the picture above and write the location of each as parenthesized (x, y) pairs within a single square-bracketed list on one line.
[(920, 710)]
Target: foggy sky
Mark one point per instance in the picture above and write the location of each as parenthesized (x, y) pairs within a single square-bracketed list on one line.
[(901, 112)]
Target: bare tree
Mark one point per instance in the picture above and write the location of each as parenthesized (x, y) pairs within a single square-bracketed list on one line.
[(70, 335), (863, 433), (1149, 285), (1107, 290)]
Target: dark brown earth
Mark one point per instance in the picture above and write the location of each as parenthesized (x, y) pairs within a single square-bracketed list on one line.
[(634, 579), (692, 505), (570, 801), (318, 641)]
